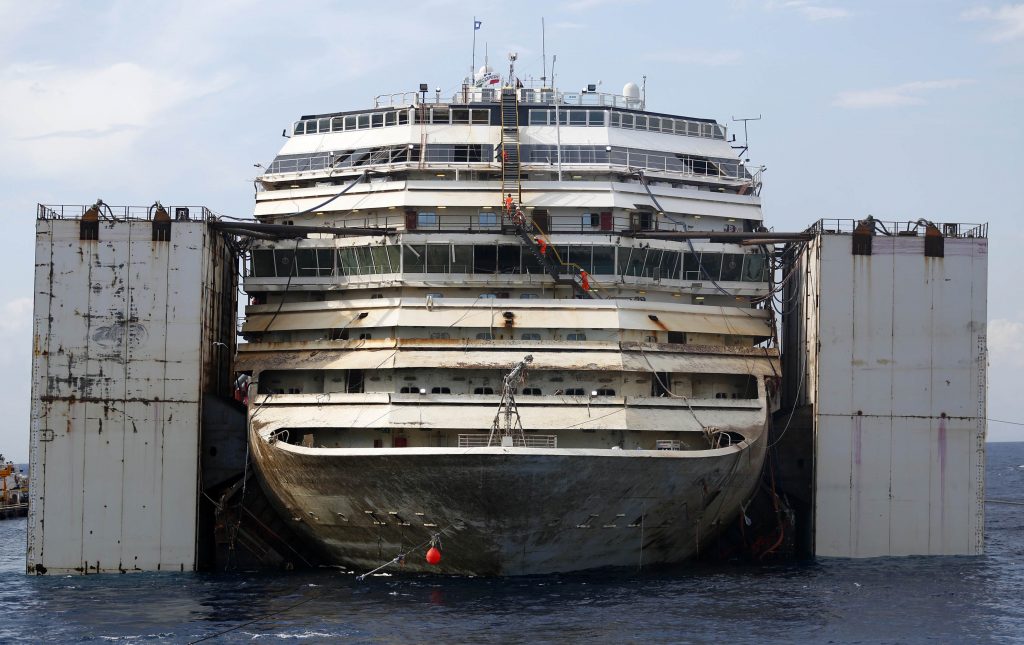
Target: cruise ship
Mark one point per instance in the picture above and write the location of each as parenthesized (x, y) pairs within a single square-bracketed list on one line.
[(521, 326)]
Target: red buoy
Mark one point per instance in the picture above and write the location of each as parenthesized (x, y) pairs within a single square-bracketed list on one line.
[(433, 555)]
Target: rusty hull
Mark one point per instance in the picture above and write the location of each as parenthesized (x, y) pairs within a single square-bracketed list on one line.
[(508, 511)]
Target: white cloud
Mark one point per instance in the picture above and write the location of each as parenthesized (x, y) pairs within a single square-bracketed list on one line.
[(709, 57), (16, 316), (51, 114), (1007, 20), (812, 12), (1006, 342), (905, 94)]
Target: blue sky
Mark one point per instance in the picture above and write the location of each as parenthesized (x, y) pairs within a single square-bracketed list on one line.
[(898, 109)]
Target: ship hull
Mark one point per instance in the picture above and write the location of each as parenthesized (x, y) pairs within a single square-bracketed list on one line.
[(508, 511)]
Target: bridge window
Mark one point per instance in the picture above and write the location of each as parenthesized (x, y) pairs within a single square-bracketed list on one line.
[(462, 261), (483, 390), (531, 391), (604, 260), (732, 264), (755, 269), (485, 259), (530, 336), (438, 258), (576, 336), (440, 390), (574, 391), (508, 258), (485, 335)]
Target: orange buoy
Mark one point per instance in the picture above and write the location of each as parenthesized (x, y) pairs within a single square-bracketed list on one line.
[(433, 555)]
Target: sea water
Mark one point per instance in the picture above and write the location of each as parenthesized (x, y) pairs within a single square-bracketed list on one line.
[(890, 600)]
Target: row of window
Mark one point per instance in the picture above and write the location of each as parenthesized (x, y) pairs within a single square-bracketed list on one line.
[(445, 115), (406, 153), (627, 120), (368, 120), (535, 154), (352, 122), (507, 259)]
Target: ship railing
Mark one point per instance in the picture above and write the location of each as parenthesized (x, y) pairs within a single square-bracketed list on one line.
[(899, 228), (123, 213), (487, 221), (533, 93), (625, 159), (598, 223), (397, 99), (526, 441)]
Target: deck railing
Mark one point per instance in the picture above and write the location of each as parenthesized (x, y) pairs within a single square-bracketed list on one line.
[(123, 213), (527, 441), (906, 228)]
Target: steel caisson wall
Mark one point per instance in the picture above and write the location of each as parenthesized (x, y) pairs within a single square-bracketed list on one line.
[(129, 332), (888, 350)]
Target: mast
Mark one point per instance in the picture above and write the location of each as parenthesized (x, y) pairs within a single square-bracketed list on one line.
[(507, 424), (558, 131)]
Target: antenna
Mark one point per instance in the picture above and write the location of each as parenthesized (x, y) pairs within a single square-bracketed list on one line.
[(746, 139), (472, 66), (643, 94), (543, 53)]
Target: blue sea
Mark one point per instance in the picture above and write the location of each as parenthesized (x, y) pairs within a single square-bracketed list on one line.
[(888, 600)]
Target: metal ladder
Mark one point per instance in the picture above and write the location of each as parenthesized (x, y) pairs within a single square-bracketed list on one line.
[(510, 184), (526, 230)]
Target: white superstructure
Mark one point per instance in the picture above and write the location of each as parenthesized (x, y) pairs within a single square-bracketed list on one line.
[(378, 342)]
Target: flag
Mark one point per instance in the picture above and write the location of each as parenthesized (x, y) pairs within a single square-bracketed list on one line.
[(477, 24)]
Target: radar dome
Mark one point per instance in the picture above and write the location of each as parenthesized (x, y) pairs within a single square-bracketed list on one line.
[(631, 91)]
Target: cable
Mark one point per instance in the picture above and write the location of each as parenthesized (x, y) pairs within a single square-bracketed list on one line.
[(257, 619), (643, 182), (433, 539), (291, 272), (1012, 423)]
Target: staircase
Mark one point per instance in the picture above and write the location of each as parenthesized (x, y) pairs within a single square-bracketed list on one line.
[(528, 232), (560, 272)]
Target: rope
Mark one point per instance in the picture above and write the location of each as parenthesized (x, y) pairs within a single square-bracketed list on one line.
[(256, 620), (670, 392), (432, 540)]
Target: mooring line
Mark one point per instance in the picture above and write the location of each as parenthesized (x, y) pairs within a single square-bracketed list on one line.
[(1003, 501), (256, 620)]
